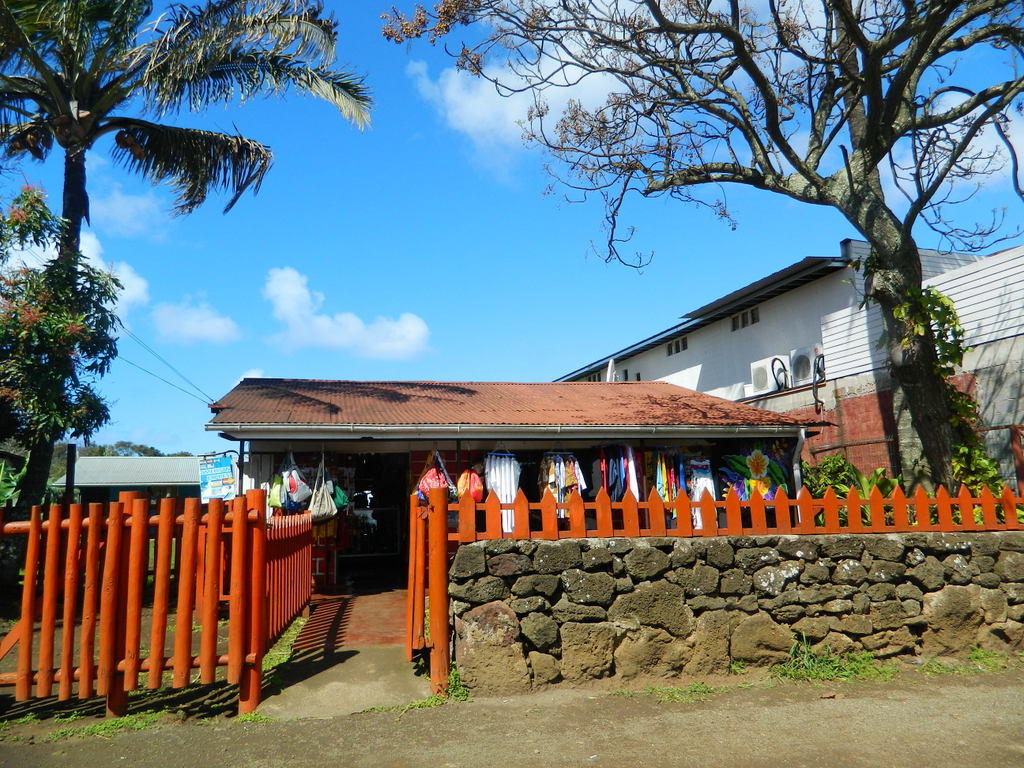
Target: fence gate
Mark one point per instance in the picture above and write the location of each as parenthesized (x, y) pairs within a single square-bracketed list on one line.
[(114, 599)]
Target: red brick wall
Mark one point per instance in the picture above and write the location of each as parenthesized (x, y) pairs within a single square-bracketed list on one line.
[(862, 428)]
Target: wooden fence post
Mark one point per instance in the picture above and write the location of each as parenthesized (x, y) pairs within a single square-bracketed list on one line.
[(437, 534), (250, 687), (23, 684)]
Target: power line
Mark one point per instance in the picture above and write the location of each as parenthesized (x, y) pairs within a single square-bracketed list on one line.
[(165, 381), (153, 352)]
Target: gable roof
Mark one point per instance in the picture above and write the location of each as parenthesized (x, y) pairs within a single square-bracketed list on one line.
[(136, 470), (420, 408)]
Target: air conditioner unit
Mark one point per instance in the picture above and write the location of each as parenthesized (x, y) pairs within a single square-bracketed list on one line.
[(769, 375), (801, 364)]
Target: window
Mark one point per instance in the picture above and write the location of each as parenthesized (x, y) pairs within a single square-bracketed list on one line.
[(676, 346), (638, 375), (625, 374), (745, 318)]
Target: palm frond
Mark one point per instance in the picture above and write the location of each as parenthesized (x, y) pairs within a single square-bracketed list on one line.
[(192, 161), (31, 136), (243, 74), (246, 49), (19, 90)]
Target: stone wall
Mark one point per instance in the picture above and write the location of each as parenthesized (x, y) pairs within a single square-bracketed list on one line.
[(530, 613)]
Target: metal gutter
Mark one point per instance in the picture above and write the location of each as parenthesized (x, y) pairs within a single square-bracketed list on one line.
[(486, 431)]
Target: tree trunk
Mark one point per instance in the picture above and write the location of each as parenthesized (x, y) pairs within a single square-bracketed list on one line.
[(926, 450), (76, 201), (37, 475)]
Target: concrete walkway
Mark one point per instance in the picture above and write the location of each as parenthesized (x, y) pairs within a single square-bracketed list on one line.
[(349, 657)]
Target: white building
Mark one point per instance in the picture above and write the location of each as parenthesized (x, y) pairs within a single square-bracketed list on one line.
[(761, 344)]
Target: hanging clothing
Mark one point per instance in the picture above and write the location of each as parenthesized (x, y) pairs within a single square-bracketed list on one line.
[(631, 481), (699, 479), (561, 474), (501, 473)]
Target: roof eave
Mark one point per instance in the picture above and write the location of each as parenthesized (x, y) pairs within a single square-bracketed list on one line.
[(240, 431)]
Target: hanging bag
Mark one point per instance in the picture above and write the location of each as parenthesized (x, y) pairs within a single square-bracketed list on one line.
[(470, 482), (435, 476), (276, 492), (295, 484), (321, 504)]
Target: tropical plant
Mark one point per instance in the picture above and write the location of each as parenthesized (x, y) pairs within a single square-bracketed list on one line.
[(838, 473), (57, 328), (75, 72), (9, 479)]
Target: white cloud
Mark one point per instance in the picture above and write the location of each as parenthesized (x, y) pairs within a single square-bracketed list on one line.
[(191, 323), (253, 373), (492, 121), (127, 215), (471, 106), (297, 307), (134, 287)]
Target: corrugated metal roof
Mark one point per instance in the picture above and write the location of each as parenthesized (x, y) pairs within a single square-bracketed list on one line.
[(405, 403), (136, 470)]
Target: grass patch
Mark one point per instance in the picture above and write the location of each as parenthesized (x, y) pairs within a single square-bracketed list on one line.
[(455, 690), (282, 650), (978, 660), (31, 717), (675, 694), (805, 663), (935, 667), (737, 668), (253, 717), (987, 661), (105, 729)]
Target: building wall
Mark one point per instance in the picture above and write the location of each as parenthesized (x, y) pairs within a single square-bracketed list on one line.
[(859, 408), (718, 359), (989, 298), (529, 614)]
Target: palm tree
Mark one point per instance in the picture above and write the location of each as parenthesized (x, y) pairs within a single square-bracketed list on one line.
[(73, 72)]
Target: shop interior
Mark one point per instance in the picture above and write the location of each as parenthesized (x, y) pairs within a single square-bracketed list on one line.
[(368, 537)]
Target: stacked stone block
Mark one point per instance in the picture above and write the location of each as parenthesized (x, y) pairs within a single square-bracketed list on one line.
[(529, 613)]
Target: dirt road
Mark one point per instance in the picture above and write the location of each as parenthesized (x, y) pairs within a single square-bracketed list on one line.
[(913, 721)]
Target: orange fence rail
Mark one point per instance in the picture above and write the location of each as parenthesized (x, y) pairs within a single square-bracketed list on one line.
[(136, 596), (603, 518), (290, 573)]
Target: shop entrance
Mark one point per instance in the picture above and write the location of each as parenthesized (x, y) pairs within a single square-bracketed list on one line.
[(363, 548)]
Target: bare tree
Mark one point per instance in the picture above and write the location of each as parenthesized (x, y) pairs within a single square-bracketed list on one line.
[(890, 111)]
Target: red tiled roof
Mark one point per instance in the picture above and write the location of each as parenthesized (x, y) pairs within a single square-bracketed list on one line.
[(386, 403)]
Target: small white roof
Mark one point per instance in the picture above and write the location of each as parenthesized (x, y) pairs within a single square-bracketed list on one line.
[(136, 470)]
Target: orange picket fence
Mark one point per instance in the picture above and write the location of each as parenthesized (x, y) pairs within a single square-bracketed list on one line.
[(440, 525), (139, 596), (602, 518)]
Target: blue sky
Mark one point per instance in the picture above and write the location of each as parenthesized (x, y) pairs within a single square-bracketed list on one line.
[(429, 236)]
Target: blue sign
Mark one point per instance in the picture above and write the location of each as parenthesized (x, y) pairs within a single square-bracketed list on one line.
[(217, 477)]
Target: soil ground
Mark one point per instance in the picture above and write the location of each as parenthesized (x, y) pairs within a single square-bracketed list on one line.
[(971, 721), (328, 706)]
